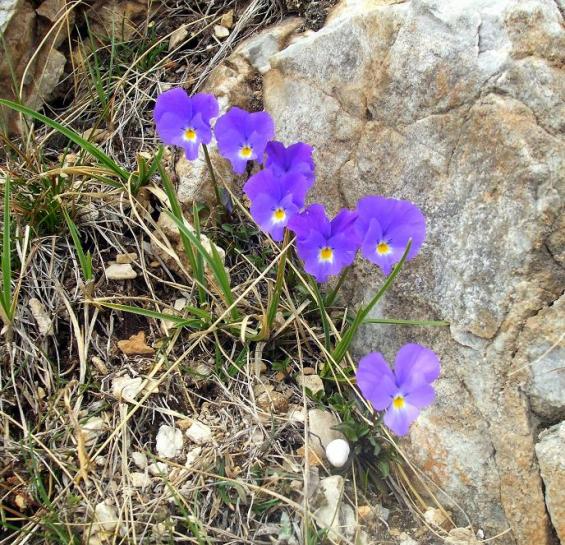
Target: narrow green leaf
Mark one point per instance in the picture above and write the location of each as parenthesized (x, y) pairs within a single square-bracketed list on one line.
[(323, 313), (188, 249), (214, 260), (85, 260), (279, 283), (6, 253), (71, 135), (178, 320), (342, 347)]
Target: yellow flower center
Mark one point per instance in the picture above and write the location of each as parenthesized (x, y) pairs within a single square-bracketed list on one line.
[(326, 254), (279, 215), (383, 248), (190, 135), (398, 402), (246, 152)]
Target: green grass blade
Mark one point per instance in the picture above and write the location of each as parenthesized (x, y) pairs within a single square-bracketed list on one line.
[(214, 260), (188, 249), (197, 257), (6, 253), (323, 313), (279, 282), (178, 320), (71, 135), (342, 347), (330, 298), (85, 259)]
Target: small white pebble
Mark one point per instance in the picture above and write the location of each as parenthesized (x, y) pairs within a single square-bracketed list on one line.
[(140, 479), (157, 469), (337, 452), (199, 433), (100, 461), (169, 441), (105, 516), (139, 459), (126, 388), (221, 31), (120, 272), (193, 456), (93, 428)]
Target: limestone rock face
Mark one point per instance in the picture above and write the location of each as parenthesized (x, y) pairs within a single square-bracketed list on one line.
[(459, 108), (23, 63), (551, 456)]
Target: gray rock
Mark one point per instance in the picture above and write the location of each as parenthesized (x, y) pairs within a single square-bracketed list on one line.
[(551, 456), (541, 355), (457, 107), (333, 513), (7, 10), (321, 432), (39, 68)]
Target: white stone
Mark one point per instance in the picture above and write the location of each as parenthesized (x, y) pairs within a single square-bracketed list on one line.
[(123, 271), (199, 433), (193, 456), (337, 452), (312, 382), (158, 469), (105, 516), (178, 36), (333, 512), (139, 459), (321, 424), (140, 479), (127, 388), (93, 428), (221, 31), (169, 441)]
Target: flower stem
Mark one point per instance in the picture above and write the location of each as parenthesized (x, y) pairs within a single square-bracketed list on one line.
[(333, 294), (275, 298), (225, 201)]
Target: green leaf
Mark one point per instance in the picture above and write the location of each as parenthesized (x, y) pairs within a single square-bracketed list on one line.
[(178, 320), (347, 338), (214, 260), (6, 254), (188, 249), (85, 260), (71, 135)]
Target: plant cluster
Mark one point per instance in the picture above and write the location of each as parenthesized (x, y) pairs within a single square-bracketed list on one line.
[(388, 232)]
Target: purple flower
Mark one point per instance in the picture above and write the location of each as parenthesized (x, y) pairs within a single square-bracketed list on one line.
[(325, 246), (274, 200), (296, 158), (184, 121), (385, 226), (242, 136), (405, 391)]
